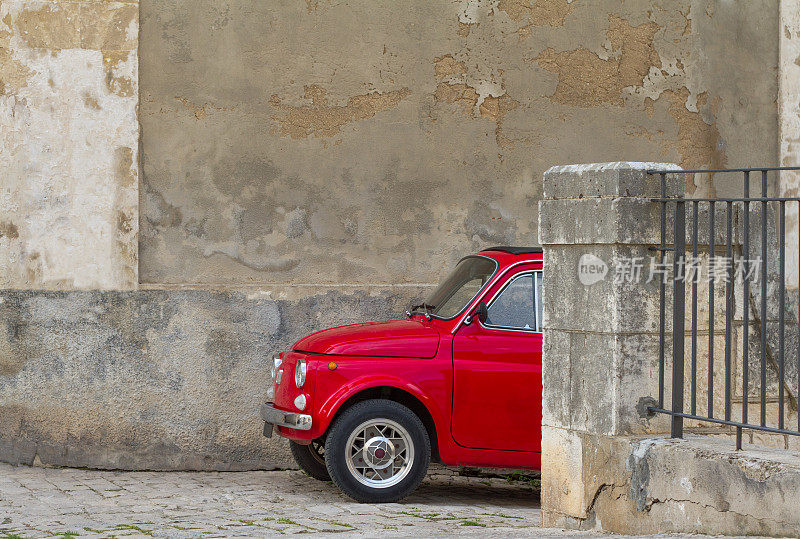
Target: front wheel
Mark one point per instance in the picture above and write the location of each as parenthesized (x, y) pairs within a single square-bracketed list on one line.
[(377, 451), (311, 459)]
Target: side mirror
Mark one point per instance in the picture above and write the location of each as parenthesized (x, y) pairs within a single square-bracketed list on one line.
[(482, 313)]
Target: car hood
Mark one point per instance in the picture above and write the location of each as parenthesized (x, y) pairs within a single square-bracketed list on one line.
[(392, 338)]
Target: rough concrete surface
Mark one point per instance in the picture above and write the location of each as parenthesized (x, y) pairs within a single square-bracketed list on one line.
[(69, 139), (359, 142), (154, 379), (695, 485)]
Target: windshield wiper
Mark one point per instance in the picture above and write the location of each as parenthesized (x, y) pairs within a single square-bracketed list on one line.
[(426, 308)]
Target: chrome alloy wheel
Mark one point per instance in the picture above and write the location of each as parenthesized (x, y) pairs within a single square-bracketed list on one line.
[(318, 451), (379, 453)]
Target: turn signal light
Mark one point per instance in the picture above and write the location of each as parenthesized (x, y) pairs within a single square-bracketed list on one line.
[(300, 402)]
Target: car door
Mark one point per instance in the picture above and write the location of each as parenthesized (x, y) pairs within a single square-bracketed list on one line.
[(497, 370)]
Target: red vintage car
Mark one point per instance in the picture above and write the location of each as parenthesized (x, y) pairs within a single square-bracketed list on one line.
[(458, 381)]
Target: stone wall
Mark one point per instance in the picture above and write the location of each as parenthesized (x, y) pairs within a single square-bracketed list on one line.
[(152, 379)]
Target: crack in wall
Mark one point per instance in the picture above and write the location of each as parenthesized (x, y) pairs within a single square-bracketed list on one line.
[(587, 80), (200, 111)]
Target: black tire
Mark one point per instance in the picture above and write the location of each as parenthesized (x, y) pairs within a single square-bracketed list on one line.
[(351, 423), (310, 460)]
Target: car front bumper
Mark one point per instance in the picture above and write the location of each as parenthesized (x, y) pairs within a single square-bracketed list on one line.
[(280, 418)]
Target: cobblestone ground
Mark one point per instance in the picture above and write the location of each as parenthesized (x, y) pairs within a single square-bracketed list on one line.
[(39, 502)]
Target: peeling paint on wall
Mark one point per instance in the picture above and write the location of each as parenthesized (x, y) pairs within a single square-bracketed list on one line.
[(458, 94), (13, 73), (486, 99), (587, 80), (121, 73), (75, 24), (536, 13), (323, 120), (699, 143), (446, 66)]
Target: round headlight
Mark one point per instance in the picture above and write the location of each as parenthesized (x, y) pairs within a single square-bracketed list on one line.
[(300, 373)]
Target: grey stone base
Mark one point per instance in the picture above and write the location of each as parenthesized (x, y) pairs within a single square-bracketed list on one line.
[(156, 379), (696, 485)]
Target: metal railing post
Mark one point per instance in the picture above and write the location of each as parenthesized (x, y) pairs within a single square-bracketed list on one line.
[(678, 313), (662, 291), (745, 309), (763, 321)]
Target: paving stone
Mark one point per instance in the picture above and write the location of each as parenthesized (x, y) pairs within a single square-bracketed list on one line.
[(37, 502)]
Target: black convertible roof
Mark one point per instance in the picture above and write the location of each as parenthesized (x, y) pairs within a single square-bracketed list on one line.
[(515, 250)]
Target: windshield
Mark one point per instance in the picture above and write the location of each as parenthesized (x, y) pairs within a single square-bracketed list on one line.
[(463, 284)]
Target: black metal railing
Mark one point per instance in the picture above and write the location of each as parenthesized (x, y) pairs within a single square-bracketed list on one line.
[(740, 269)]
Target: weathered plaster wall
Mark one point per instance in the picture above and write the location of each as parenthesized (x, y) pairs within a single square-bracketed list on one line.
[(69, 140), (152, 379), (363, 142)]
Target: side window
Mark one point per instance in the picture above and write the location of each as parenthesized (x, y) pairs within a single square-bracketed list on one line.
[(516, 306), (539, 304)]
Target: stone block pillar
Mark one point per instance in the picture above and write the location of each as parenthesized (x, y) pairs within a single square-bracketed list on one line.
[(600, 365), (789, 127)]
